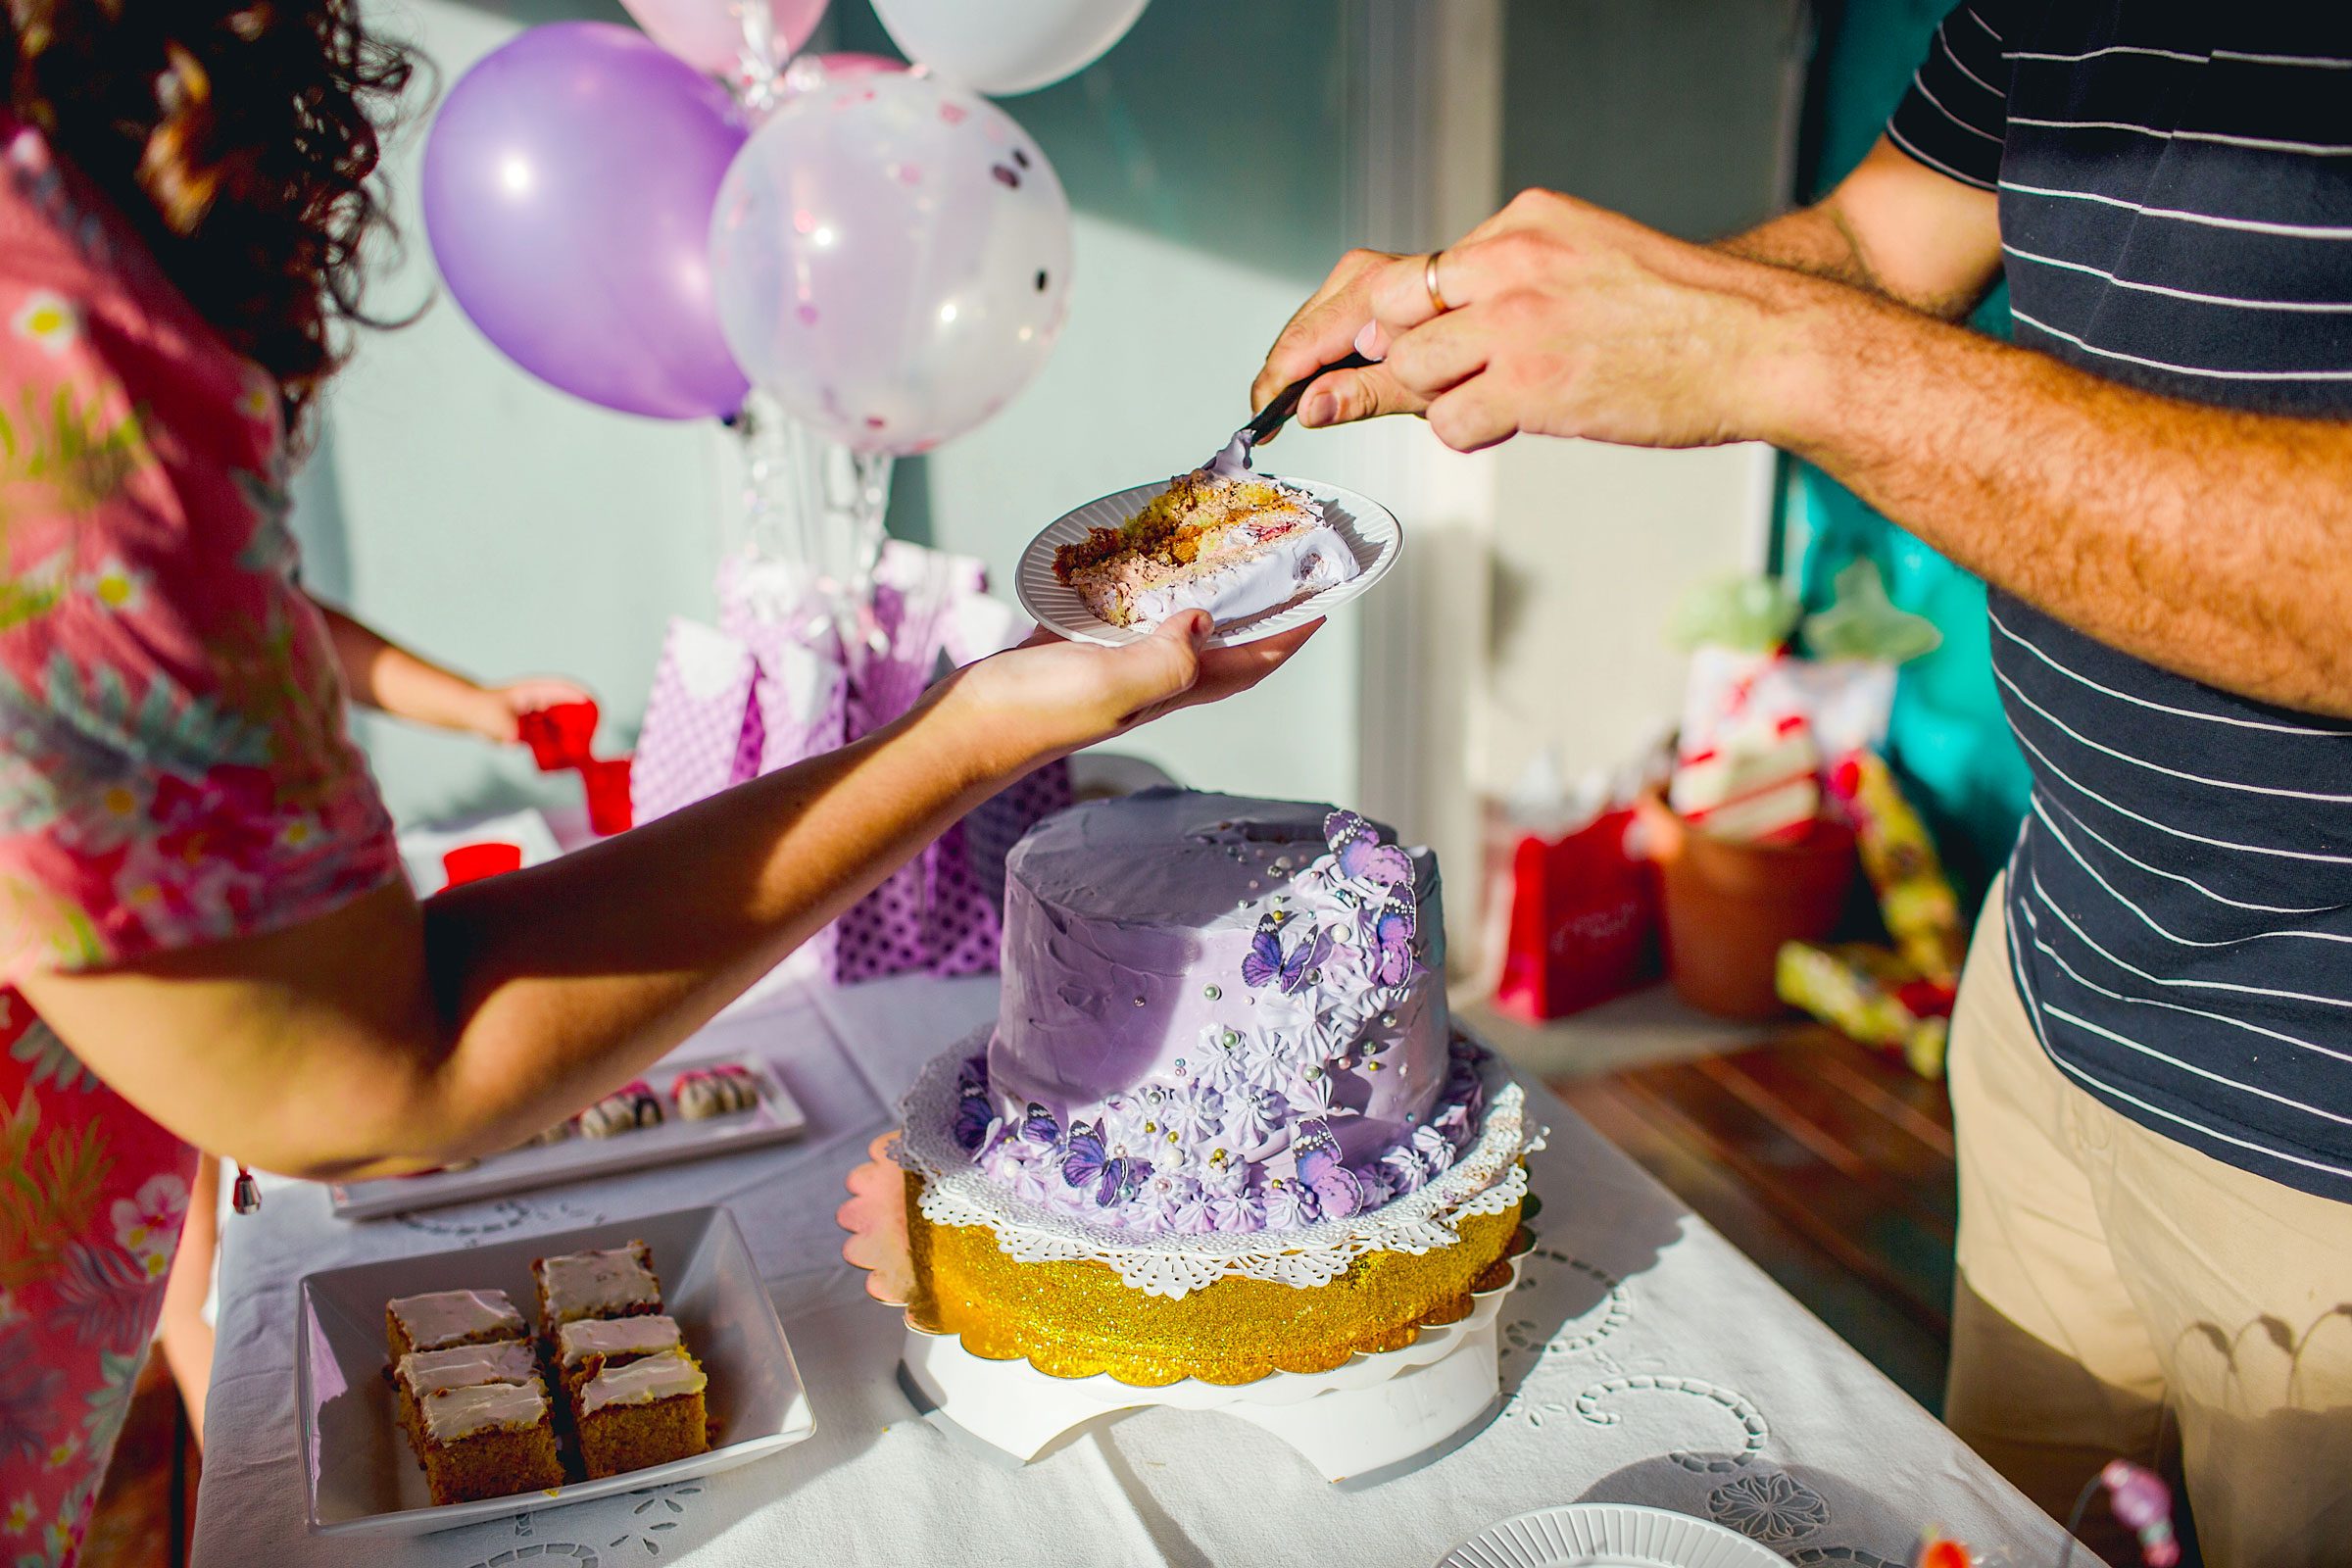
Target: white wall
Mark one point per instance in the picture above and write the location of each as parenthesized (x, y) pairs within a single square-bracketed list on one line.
[(1593, 546), (1679, 113)]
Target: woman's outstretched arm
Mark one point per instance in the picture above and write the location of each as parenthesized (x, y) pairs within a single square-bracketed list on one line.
[(393, 1035)]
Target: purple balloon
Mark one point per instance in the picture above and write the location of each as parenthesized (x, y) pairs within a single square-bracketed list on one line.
[(568, 182)]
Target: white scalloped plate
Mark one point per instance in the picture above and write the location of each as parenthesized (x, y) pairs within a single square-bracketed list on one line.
[(1370, 529), (1609, 1534)]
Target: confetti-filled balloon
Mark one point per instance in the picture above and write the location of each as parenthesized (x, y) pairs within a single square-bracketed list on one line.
[(1007, 48), (890, 258), (567, 188)]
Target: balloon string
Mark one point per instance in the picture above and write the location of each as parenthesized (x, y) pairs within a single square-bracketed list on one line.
[(820, 508)]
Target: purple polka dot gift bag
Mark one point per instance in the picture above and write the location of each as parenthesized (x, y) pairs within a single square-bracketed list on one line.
[(780, 681)]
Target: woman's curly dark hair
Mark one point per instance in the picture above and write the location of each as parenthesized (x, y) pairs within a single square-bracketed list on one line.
[(241, 137)]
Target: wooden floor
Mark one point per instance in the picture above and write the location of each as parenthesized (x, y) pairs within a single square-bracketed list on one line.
[(1829, 1164)]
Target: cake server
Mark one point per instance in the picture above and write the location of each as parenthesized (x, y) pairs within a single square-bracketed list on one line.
[(1233, 461)]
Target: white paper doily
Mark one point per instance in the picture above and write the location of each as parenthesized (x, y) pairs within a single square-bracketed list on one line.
[(1487, 1178)]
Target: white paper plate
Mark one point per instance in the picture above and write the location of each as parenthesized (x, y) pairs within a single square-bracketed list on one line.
[(361, 1476), (1609, 1534), (1369, 528), (777, 1117)]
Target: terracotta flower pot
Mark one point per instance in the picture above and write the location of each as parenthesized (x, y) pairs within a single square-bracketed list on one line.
[(1728, 907)]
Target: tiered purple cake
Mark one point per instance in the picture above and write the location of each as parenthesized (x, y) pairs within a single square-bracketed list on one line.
[(1221, 1014), (1222, 1126)]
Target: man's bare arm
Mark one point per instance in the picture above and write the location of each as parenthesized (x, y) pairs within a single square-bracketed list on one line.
[(1893, 227), (2214, 543), (2208, 541)]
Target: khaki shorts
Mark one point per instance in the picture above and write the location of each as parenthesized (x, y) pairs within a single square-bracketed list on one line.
[(2123, 1294)]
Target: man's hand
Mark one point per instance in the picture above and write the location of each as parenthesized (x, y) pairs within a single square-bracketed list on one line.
[(1336, 317), (1564, 319)]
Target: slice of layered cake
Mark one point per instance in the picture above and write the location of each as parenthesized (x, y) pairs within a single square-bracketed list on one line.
[(644, 1412), (615, 1282), (487, 1440), (1234, 547), (440, 1319)]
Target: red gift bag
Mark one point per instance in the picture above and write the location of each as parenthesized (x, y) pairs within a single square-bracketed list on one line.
[(1583, 921)]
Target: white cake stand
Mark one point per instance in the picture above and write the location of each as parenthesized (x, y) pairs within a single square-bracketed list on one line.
[(1380, 1412)]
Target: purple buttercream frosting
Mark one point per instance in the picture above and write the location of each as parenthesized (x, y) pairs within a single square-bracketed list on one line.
[(1188, 979)]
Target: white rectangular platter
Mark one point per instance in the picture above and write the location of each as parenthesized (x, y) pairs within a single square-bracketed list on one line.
[(777, 1117), (363, 1480)]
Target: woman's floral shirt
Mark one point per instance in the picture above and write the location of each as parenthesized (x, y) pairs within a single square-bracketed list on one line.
[(174, 771)]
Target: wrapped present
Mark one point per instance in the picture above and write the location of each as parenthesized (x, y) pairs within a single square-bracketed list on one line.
[(1744, 669), (1584, 920), (1756, 784), (1915, 896), (1748, 613), (795, 669), (1870, 995), (1847, 702), (1862, 623), (700, 734)]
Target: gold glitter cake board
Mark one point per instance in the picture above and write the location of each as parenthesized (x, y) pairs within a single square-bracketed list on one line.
[(1379, 1414)]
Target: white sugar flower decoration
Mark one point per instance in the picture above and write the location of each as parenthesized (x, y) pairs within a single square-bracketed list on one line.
[(1196, 1115)]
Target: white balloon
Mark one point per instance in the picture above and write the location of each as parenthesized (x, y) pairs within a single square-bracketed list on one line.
[(1009, 46), (891, 259)]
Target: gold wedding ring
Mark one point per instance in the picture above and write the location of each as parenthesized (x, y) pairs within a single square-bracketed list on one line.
[(1429, 281)]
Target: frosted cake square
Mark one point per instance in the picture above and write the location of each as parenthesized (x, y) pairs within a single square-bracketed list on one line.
[(421, 1374), (588, 1346), (440, 1319), (487, 1440), (611, 1282), (646, 1412)]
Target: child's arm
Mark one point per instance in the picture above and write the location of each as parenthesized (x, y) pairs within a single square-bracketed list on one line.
[(381, 675)]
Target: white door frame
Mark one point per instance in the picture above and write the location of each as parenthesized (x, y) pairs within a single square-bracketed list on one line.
[(1424, 137)]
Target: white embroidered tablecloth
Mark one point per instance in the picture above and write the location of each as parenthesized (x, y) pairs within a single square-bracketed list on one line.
[(1644, 1360)]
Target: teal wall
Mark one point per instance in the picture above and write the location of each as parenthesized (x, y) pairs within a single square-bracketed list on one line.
[(1948, 739), (505, 528)]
